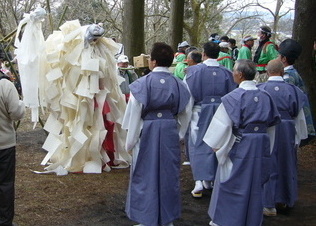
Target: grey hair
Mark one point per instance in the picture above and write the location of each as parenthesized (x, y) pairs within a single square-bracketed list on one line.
[(196, 56), (247, 68)]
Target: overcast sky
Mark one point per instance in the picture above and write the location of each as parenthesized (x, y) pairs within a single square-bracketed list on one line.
[(272, 4)]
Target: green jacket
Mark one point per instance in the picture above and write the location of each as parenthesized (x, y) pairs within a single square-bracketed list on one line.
[(269, 52), (226, 60), (179, 71), (244, 53)]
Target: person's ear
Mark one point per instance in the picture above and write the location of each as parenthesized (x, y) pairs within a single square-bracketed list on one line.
[(282, 58), (240, 75), (204, 57)]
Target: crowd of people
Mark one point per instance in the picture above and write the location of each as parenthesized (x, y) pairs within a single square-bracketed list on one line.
[(242, 124), (241, 118)]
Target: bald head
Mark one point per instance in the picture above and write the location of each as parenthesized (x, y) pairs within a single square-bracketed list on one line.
[(275, 68)]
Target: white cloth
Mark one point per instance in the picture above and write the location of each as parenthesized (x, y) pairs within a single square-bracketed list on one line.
[(134, 123), (193, 113), (276, 78), (30, 54), (221, 141), (81, 79), (211, 62), (286, 76), (120, 50)]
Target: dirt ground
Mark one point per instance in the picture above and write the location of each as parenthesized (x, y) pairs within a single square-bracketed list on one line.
[(99, 199)]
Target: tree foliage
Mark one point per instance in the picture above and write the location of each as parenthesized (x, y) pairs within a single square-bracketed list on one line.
[(109, 13), (200, 17), (11, 12), (276, 14)]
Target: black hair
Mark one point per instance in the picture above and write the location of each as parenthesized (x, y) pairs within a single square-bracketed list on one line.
[(146, 71), (162, 53), (181, 50), (225, 38), (266, 30), (232, 41), (289, 60), (211, 49)]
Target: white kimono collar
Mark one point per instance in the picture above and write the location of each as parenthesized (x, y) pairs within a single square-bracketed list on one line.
[(248, 85), (276, 78), (211, 62), (161, 69), (288, 67)]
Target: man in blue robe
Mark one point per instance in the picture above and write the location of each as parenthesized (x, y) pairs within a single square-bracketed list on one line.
[(208, 82), (244, 125), (157, 117), (289, 99)]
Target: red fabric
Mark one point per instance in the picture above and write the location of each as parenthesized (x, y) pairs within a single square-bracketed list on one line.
[(222, 58), (108, 143), (106, 108), (177, 54), (267, 43), (127, 97), (77, 172), (247, 46)]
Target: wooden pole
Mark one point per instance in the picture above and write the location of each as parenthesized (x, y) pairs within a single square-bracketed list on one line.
[(50, 18), (62, 16)]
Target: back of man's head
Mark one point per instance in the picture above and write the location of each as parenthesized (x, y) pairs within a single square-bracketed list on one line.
[(224, 38), (275, 68), (211, 50), (195, 56), (232, 41), (247, 68), (290, 49)]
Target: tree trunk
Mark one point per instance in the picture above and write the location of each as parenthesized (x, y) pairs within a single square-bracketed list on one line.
[(133, 28), (176, 23), (276, 19), (304, 31), (195, 31)]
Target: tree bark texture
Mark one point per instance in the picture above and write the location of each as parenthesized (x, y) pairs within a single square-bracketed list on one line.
[(176, 23), (304, 31), (133, 28)]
